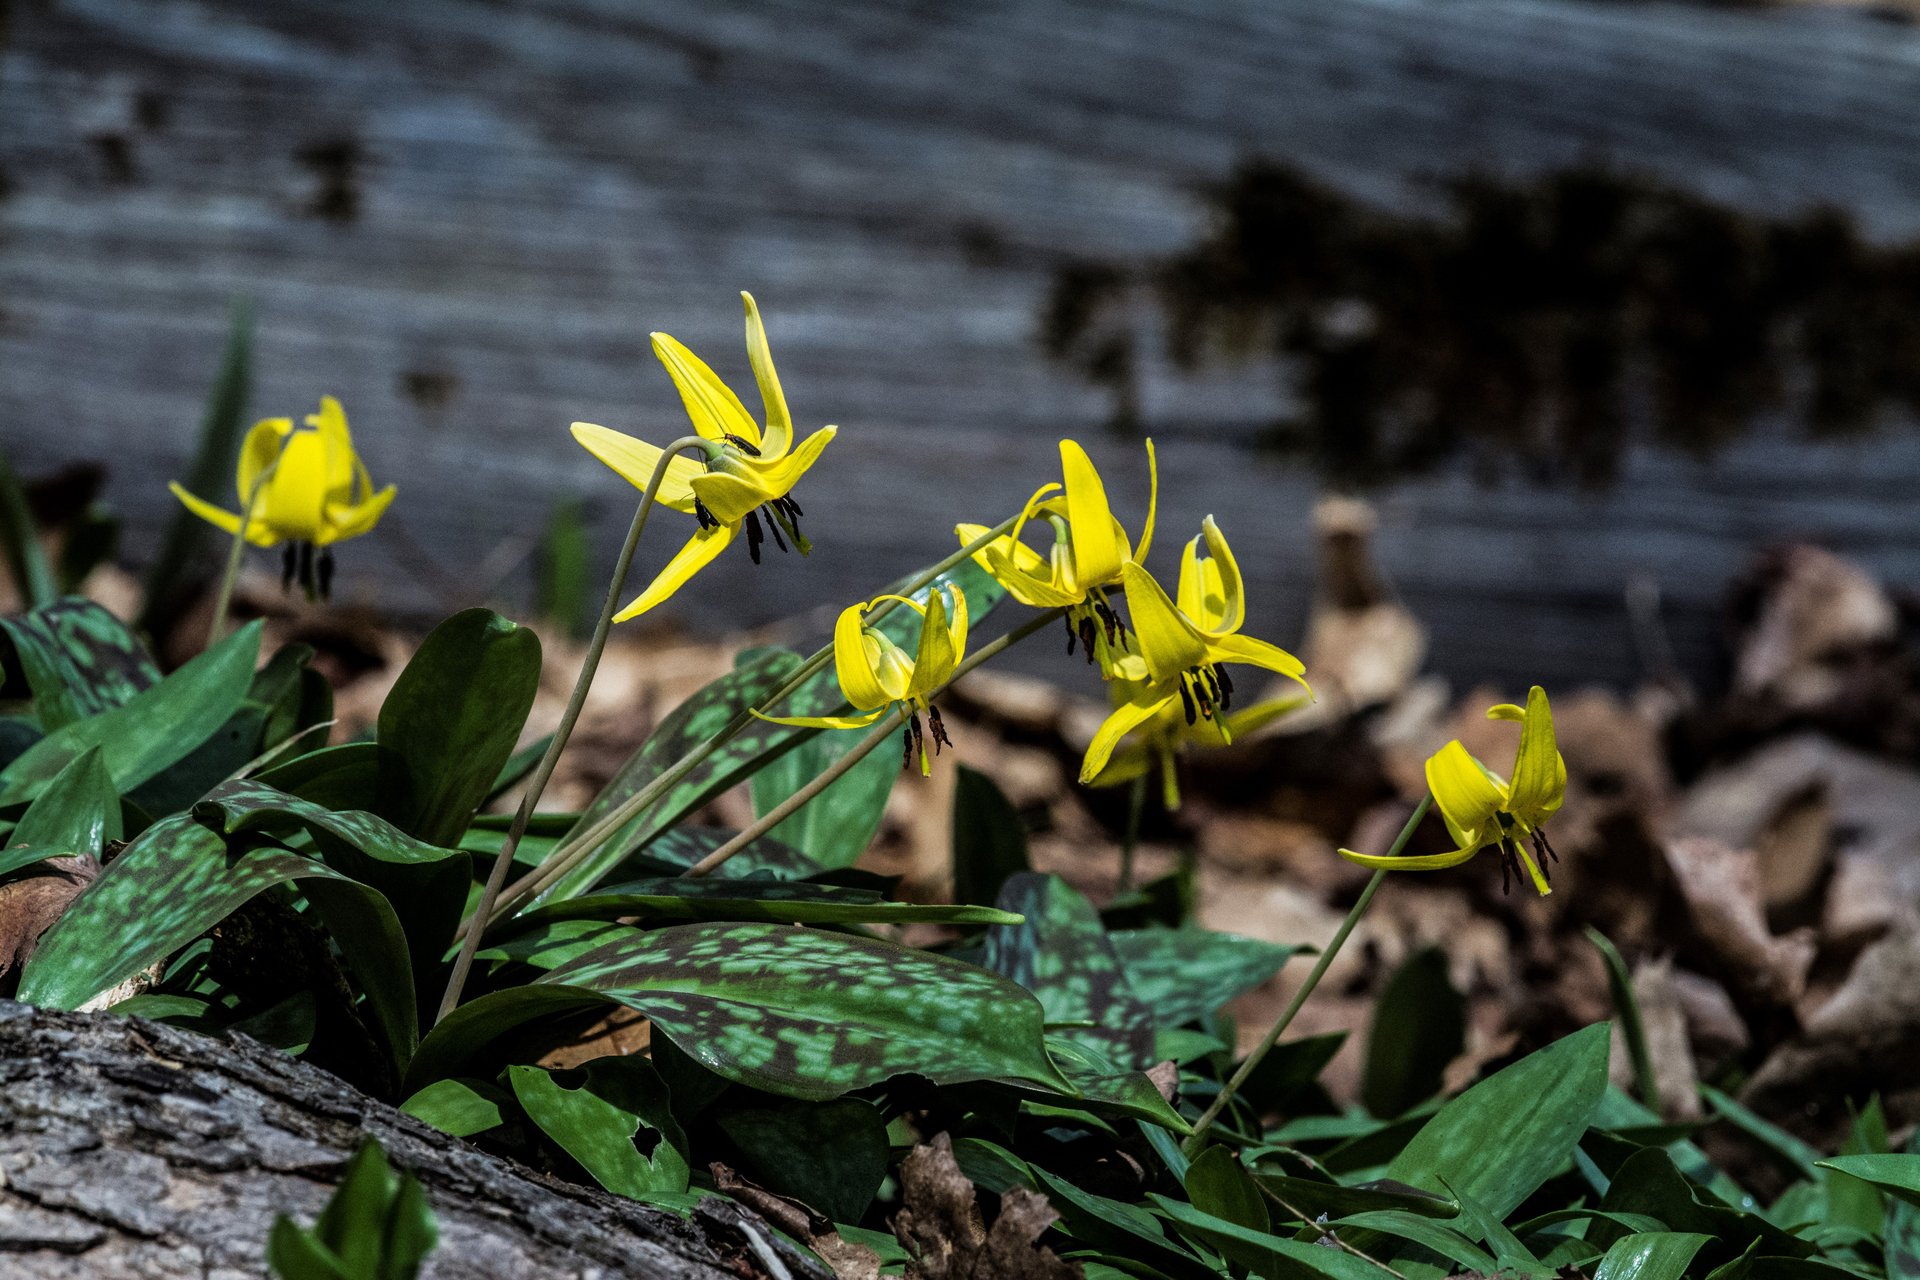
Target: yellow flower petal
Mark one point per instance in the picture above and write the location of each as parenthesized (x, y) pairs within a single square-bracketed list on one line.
[(711, 405), (1124, 720), (1262, 714), (634, 460), (336, 445), (1168, 641), (1223, 583), (779, 431), (346, 520), (258, 534), (935, 659), (1466, 796), (1126, 764), (1422, 862), (827, 722), (294, 500), (1097, 553), (853, 662), (1037, 589), (689, 560), (258, 451), (1539, 774), (1256, 653), (1153, 505)]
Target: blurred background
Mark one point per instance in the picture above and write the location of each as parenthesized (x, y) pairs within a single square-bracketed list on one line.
[(1589, 299)]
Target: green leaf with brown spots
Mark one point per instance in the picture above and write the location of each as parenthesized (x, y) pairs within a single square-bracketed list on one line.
[(776, 901), (786, 1010), (78, 660), (676, 850), (1183, 975), (152, 730), (246, 805), (1062, 954)]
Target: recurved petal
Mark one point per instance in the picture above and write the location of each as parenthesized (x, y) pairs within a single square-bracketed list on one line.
[(1153, 504), (258, 533), (1422, 862), (351, 519), (634, 460), (1223, 582), (711, 405), (1125, 719), (934, 660), (1126, 764), (1257, 653), (1168, 642), (827, 722), (1262, 714), (1029, 578), (779, 433), (689, 560), (853, 662), (1466, 796), (1097, 553), (1539, 774), (258, 451), (781, 474), (336, 444)]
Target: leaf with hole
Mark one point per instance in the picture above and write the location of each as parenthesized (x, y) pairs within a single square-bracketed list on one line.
[(617, 1122)]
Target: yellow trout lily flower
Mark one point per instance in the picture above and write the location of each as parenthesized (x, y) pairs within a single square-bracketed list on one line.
[(1184, 649), (313, 490), (1481, 808), (876, 675), (1160, 740), (749, 470), (1089, 548)]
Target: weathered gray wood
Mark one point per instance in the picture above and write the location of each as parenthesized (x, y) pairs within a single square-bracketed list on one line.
[(463, 219), (135, 1151)]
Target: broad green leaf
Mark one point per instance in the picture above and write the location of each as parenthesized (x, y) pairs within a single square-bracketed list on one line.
[(1217, 1183), (1650, 1255), (176, 574), (377, 1226), (175, 881), (776, 901), (339, 777), (989, 840), (1121, 1229), (991, 1166), (1849, 1201), (1506, 1135), (1422, 1231), (153, 729), (836, 826), (686, 727), (77, 813), (676, 850), (1480, 1223), (617, 1100), (451, 722), (1186, 974), (459, 1107), (1897, 1174), (1267, 1254), (1313, 1198), (1104, 1088), (1061, 953), (830, 1156), (78, 660), (790, 1011), (245, 806), (554, 942), (1649, 1183), (1419, 1026)]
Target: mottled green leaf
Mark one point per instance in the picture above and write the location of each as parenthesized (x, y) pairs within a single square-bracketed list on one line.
[(554, 942), (451, 722), (1184, 975), (597, 1122), (339, 777), (790, 1011), (836, 826), (153, 729), (77, 813), (459, 1107), (1419, 1026), (674, 851), (989, 839), (1104, 1088), (777, 901), (830, 1156), (245, 805), (1506, 1135), (78, 660), (1650, 1255), (1061, 953)]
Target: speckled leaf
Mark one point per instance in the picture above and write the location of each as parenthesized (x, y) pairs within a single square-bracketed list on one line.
[(1183, 975), (554, 942), (687, 726), (338, 777), (451, 722), (597, 1122), (676, 850), (1105, 1089), (790, 1011), (1061, 953), (176, 880), (151, 730), (777, 901), (78, 660), (835, 827), (77, 813), (246, 805)]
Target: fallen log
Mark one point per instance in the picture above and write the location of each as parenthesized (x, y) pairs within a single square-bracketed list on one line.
[(132, 1149)]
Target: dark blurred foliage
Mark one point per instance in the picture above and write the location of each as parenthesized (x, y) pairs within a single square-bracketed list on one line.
[(1544, 322)]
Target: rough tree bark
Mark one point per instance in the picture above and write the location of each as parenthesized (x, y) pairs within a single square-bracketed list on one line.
[(132, 1149)]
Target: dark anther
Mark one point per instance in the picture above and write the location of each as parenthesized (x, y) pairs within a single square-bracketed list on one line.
[(1226, 684), (306, 568), (704, 516), (1108, 619), (919, 746), (1541, 842), (740, 444), (288, 558), (1507, 859), (938, 729), (1186, 700), (754, 535), (906, 748), (773, 527), (1072, 637), (326, 573), (793, 508), (1213, 683), (1087, 634)]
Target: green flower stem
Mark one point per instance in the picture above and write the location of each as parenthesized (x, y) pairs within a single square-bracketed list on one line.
[(217, 629), (786, 808), (1198, 1138), (577, 847), (1136, 807), (537, 784)]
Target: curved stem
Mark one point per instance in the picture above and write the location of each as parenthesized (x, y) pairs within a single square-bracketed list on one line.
[(1194, 1141), (216, 630), (1136, 806), (578, 846), (597, 646), (786, 808)]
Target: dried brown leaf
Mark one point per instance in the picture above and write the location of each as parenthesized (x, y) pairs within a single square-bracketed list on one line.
[(940, 1224), (31, 903)]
